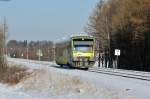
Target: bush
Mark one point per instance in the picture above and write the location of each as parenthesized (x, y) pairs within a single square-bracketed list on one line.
[(12, 75)]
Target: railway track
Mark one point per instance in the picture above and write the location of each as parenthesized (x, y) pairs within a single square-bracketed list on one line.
[(114, 72), (123, 73)]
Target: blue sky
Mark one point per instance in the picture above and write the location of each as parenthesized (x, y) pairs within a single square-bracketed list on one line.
[(46, 19)]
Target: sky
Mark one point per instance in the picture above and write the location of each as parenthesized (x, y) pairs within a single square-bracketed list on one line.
[(46, 19)]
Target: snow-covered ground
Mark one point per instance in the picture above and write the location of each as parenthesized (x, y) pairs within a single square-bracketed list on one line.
[(48, 81)]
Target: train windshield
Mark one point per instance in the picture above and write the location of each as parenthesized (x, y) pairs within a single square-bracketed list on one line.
[(83, 45)]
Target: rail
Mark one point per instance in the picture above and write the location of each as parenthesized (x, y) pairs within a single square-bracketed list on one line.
[(123, 73)]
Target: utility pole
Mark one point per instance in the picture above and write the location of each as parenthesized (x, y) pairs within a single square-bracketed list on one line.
[(48, 54), (109, 42), (39, 51), (54, 49), (99, 54), (27, 50), (4, 36), (109, 60), (3, 42)]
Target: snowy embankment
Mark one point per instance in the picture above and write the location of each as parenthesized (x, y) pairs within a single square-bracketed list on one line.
[(48, 81)]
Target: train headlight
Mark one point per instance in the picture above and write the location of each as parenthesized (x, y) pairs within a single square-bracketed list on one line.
[(92, 59), (75, 59)]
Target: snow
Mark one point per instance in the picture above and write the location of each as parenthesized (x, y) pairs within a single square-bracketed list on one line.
[(48, 81), (7, 92)]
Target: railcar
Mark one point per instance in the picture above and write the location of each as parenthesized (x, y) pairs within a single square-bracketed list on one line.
[(78, 52)]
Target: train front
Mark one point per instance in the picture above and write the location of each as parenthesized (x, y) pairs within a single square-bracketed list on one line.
[(83, 51)]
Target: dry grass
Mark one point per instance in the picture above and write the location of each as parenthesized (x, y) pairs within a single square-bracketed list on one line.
[(12, 75), (55, 83), (8, 74)]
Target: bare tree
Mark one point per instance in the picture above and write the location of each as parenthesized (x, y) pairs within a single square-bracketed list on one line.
[(2, 49)]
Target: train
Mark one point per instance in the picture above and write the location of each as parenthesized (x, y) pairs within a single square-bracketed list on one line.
[(77, 52)]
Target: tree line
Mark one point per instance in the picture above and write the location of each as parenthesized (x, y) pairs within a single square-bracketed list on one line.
[(124, 25), (31, 50)]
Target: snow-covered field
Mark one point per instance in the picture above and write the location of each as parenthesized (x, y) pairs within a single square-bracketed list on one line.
[(48, 81)]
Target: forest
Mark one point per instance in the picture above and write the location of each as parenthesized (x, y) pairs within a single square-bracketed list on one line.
[(124, 25)]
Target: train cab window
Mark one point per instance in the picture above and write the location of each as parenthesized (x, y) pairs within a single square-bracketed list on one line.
[(83, 47)]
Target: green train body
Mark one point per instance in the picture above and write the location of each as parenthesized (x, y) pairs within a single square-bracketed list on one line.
[(76, 52)]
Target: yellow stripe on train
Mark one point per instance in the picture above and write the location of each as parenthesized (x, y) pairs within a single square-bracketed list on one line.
[(83, 54)]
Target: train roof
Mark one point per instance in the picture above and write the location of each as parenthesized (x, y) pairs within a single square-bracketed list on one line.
[(83, 36)]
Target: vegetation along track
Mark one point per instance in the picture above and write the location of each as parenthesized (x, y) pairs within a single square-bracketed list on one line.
[(123, 73)]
